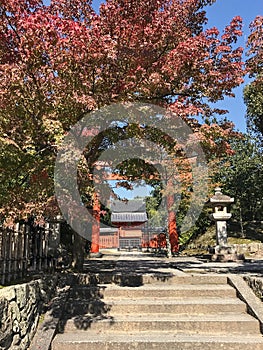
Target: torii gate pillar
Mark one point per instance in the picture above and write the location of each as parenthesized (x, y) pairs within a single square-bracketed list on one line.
[(95, 237), (172, 229)]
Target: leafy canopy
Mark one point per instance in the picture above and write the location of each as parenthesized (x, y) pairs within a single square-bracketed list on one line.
[(62, 60)]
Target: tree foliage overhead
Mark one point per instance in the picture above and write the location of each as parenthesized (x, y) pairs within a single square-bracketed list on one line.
[(61, 60), (253, 92)]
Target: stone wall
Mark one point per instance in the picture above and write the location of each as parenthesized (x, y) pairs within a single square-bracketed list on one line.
[(20, 309), (256, 284), (251, 249)]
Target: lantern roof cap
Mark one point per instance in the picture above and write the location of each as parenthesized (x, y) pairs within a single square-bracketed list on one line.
[(220, 198)]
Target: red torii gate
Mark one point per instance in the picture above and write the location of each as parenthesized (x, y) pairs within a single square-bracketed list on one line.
[(172, 228)]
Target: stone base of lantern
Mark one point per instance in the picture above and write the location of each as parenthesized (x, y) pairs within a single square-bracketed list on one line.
[(225, 253), (95, 255)]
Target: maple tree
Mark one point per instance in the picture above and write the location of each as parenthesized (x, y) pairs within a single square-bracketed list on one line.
[(61, 60), (253, 92)]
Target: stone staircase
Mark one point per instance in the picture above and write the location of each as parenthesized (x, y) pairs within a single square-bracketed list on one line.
[(182, 312)]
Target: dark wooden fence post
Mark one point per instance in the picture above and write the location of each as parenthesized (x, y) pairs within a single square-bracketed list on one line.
[(3, 255), (14, 252), (26, 249), (45, 245), (20, 251), (9, 254)]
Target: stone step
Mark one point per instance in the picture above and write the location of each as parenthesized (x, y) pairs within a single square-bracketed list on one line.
[(155, 311), (189, 305), (81, 307), (186, 279), (176, 306), (176, 291), (218, 324), (154, 291), (153, 341), (136, 279), (86, 292)]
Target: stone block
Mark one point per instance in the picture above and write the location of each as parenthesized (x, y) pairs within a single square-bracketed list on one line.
[(256, 284), (33, 292), (13, 311), (24, 325), (6, 323), (228, 249), (227, 257), (16, 340), (6, 333), (34, 325), (24, 344), (21, 295), (20, 307), (8, 293), (16, 327), (26, 311), (226, 253), (3, 311), (6, 340)]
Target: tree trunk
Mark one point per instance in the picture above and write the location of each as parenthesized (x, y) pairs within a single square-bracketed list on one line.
[(241, 220), (78, 252), (168, 243)]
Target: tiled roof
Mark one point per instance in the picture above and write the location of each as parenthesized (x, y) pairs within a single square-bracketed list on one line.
[(130, 206), (128, 211), (129, 217)]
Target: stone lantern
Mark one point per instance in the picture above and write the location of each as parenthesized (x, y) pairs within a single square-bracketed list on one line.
[(222, 251), (219, 202)]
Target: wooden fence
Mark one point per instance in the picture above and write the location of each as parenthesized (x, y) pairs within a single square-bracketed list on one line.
[(109, 241), (26, 249)]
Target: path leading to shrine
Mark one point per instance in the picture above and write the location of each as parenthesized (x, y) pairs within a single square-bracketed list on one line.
[(133, 301)]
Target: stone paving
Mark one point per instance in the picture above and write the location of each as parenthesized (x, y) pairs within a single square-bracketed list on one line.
[(183, 263)]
